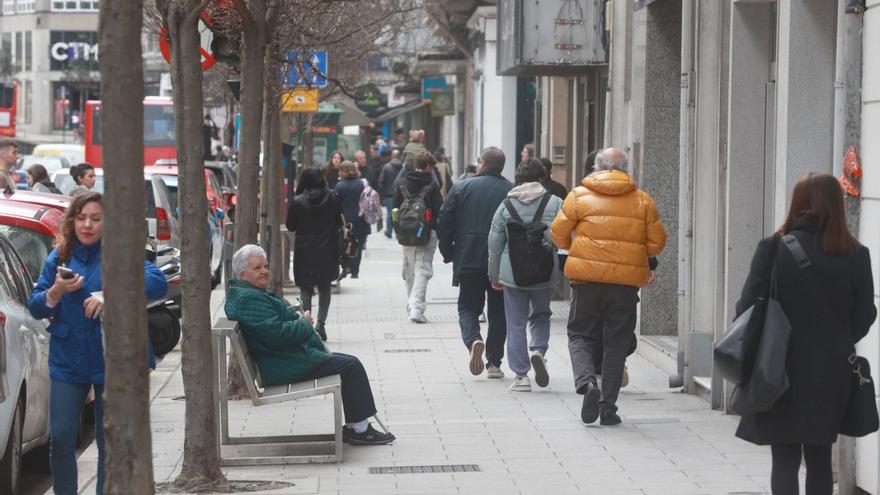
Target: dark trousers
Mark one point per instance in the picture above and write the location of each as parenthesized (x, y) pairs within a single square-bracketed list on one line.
[(602, 316), (474, 290), (356, 261), (787, 463), (306, 294), (388, 203), (357, 396)]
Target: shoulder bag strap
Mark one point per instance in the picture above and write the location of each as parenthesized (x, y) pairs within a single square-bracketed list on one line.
[(797, 251), (510, 209), (425, 190), (539, 215), (405, 192)]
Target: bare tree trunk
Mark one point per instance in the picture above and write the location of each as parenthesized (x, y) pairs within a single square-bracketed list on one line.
[(129, 459), (201, 462), (270, 194)]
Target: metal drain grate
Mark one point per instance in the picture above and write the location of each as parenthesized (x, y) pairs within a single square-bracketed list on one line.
[(407, 350), (438, 468)]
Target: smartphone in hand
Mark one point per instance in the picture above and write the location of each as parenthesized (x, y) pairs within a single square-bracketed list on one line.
[(66, 273)]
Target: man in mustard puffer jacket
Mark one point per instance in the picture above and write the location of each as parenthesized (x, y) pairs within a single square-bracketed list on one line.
[(610, 228)]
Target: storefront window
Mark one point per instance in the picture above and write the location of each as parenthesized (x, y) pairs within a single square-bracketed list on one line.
[(28, 99), (70, 103), (19, 49)]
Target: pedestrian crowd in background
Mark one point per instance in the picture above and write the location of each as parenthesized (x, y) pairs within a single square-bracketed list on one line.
[(512, 244)]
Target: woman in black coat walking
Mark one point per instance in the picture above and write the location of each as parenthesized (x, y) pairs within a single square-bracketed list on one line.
[(349, 191), (830, 306), (316, 217)]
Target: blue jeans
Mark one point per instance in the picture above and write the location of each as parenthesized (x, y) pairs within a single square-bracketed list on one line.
[(65, 405), (388, 203), (526, 308)]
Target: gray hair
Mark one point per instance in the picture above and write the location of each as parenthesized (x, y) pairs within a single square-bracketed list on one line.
[(612, 159), (242, 256)]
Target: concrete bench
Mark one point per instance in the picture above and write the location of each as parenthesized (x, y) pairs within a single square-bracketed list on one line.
[(280, 449)]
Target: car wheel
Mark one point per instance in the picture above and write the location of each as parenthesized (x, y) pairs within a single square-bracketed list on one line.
[(10, 466), (164, 330)]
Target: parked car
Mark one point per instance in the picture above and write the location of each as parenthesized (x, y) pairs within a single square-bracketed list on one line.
[(228, 179), (215, 231), (24, 374), (31, 229), (73, 153), (52, 163), (161, 211), (64, 181), (213, 190)]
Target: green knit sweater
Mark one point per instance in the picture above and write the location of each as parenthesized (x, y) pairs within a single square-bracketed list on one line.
[(283, 345)]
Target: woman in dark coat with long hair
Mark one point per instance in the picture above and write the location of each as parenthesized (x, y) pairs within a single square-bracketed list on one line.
[(315, 216), (830, 305), (349, 191)]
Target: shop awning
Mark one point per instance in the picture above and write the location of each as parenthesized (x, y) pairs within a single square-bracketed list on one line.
[(398, 111)]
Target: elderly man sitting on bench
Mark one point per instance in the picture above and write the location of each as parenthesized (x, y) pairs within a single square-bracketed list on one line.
[(286, 349)]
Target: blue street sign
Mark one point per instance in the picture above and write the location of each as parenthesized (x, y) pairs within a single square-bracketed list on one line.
[(307, 70)]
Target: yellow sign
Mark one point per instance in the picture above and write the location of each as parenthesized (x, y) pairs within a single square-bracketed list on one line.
[(299, 100)]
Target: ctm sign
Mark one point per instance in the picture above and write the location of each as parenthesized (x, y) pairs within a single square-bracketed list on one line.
[(66, 47)]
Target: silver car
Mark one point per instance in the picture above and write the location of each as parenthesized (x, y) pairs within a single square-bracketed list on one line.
[(24, 370)]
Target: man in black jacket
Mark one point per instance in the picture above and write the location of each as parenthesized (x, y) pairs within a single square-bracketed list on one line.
[(465, 220), (418, 261), (386, 186)]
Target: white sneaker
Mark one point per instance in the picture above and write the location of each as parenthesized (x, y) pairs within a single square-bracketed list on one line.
[(539, 364), (493, 371), (417, 318), (521, 384)]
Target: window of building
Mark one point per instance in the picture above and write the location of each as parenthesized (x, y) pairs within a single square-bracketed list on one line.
[(28, 51), (25, 6), (75, 5), (19, 49), (28, 99), (8, 7)]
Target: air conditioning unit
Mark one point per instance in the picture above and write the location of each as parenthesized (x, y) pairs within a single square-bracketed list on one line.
[(551, 37)]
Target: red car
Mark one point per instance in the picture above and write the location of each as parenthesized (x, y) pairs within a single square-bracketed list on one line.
[(58, 201), (31, 229)]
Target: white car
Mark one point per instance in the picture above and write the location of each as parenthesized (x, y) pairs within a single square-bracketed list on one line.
[(52, 163), (64, 181), (74, 153), (24, 371)]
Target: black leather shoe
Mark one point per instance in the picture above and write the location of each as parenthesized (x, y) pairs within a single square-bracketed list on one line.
[(590, 407), (608, 418), (321, 332), (369, 437)]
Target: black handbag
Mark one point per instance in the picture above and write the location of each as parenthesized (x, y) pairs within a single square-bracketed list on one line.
[(860, 417)]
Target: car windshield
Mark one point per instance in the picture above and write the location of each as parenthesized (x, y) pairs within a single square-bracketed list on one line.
[(65, 183), (33, 247), (52, 163)]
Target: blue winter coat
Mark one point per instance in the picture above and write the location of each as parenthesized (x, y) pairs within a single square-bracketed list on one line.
[(76, 348), (349, 193)]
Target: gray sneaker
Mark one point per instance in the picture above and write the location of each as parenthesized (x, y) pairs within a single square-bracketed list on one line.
[(493, 371), (476, 364), (417, 318), (539, 364)]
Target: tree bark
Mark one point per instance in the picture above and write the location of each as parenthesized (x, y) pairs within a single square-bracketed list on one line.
[(201, 462), (129, 459)]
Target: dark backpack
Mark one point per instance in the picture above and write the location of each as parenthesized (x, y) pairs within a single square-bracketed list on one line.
[(412, 219), (531, 258)]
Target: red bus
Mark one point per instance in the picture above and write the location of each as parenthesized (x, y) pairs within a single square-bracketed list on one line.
[(159, 140), (8, 97)]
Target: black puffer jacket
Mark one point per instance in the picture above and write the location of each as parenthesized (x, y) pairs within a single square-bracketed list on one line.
[(830, 306), (465, 220), (316, 217)]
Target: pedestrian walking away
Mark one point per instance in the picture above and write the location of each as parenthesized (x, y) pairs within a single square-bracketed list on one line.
[(387, 179), (610, 229), (63, 293), (286, 348), (525, 304), (349, 191), (830, 306), (463, 229), (417, 202), (316, 218)]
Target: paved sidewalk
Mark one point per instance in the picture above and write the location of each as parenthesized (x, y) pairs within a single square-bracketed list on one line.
[(522, 443)]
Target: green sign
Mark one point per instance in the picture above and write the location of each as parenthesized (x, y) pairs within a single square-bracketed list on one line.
[(443, 104)]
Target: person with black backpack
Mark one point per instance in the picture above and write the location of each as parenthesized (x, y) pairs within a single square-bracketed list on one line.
[(523, 265), (418, 201)]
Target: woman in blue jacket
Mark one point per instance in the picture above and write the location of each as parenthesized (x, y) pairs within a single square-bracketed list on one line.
[(76, 351), (349, 190)]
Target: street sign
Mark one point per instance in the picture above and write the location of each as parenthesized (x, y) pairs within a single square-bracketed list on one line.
[(306, 69), (443, 104), (431, 86), (299, 100)]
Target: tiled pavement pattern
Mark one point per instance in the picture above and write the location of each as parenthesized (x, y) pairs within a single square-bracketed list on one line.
[(523, 443)]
